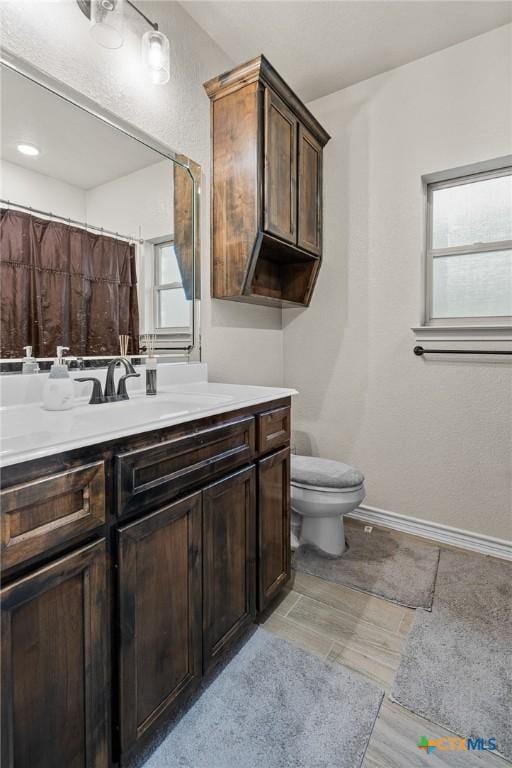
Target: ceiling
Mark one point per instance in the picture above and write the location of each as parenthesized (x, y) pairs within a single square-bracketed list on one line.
[(320, 46), (75, 146)]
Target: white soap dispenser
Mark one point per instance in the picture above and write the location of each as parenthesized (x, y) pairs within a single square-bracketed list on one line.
[(58, 389), (30, 364)]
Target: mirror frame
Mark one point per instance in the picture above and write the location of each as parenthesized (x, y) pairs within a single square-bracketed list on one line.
[(192, 352)]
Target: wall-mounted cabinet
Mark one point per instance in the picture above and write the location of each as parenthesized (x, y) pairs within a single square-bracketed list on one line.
[(266, 188)]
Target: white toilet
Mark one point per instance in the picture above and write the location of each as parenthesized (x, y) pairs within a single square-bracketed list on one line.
[(322, 491)]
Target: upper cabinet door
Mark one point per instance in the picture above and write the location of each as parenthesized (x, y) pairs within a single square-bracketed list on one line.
[(55, 666), (310, 193), (280, 183), (160, 614)]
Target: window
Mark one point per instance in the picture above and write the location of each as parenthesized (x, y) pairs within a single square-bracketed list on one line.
[(469, 250), (172, 310)]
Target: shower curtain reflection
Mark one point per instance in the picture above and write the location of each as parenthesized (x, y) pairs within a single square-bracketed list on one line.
[(60, 284)]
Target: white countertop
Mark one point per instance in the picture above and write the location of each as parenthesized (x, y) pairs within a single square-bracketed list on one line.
[(28, 432)]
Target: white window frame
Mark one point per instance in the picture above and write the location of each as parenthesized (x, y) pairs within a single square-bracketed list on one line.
[(448, 180), (173, 331)]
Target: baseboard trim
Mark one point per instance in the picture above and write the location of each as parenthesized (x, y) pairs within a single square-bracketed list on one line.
[(455, 537)]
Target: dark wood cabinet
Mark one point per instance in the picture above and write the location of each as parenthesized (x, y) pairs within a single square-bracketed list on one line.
[(267, 188), (54, 665), (159, 614), (273, 525), (229, 567), (178, 536)]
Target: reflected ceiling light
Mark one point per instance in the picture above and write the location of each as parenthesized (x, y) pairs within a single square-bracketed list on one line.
[(28, 149), (108, 18)]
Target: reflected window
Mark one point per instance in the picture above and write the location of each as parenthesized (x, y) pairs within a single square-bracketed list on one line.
[(173, 312), (469, 249)]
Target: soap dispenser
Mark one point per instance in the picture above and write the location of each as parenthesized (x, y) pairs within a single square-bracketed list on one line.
[(58, 389), (30, 364)]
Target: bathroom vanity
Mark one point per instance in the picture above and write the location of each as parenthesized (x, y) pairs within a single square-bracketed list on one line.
[(132, 562), (139, 539)]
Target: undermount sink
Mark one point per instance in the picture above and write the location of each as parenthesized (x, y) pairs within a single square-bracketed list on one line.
[(140, 409), (27, 431), (23, 427)]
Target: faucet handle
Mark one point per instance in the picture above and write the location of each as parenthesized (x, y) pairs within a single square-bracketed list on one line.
[(96, 394), (121, 387)]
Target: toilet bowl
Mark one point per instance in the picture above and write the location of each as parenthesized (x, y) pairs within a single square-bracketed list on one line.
[(322, 491)]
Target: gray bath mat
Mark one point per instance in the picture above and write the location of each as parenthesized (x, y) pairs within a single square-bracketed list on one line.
[(457, 666), (384, 563), (276, 706)]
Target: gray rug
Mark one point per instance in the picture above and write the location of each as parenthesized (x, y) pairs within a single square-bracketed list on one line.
[(274, 706), (457, 666), (384, 563)]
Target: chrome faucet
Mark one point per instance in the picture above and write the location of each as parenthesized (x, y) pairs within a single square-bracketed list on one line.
[(110, 395)]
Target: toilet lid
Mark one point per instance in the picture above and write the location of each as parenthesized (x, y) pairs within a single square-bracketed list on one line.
[(326, 473)]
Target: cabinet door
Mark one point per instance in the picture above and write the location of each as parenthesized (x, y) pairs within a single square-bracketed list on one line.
[(54, 665), (310, 193), (280, 183), (228, 561), (160, 614), (273, 525)]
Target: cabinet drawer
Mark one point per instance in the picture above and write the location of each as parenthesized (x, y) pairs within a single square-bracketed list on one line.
[(48, 512), (273, 429), (156, 474)]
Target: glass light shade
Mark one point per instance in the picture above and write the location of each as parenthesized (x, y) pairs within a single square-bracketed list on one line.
[(107, 22), (156, 56)]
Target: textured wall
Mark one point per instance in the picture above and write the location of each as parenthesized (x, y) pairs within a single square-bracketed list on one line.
[(433, 438), (241, 343)]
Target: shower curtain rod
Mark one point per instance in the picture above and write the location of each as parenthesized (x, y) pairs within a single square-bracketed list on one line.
[(82, 224)]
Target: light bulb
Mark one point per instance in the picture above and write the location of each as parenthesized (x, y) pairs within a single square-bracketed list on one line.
[(155, 56), (107, 22)]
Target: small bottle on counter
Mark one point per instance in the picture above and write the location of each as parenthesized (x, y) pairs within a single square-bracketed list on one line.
[(30, 364), (151, 375)]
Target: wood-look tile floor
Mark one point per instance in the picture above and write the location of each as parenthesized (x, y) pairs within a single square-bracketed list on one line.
[(367, 634)]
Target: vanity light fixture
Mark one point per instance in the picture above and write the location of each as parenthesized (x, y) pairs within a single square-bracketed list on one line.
[(28, 149), (107, 18), (107, 22), (155, 55)]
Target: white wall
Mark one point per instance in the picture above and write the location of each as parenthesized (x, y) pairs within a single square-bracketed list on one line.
[(433, 438), (21, 185), (241, 343), (139, 204)]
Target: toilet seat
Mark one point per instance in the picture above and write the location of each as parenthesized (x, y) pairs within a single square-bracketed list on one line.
[(323, 489)]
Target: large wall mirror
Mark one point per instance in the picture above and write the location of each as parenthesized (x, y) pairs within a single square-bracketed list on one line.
[(98, 230)]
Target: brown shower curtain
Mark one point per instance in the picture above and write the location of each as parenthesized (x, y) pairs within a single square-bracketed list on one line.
[(63, 285)]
